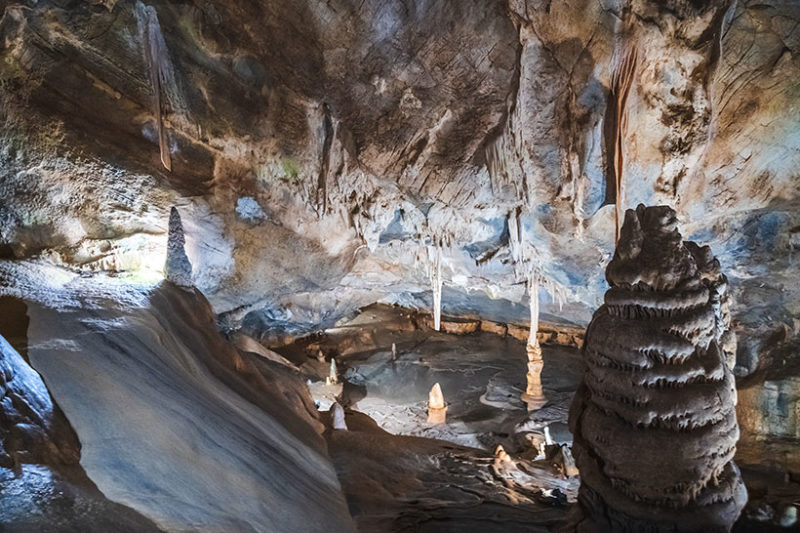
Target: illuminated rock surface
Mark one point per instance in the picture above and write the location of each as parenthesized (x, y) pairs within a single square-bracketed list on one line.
[(173, 421)]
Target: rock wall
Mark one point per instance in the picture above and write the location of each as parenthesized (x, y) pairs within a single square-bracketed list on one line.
[(314, 149), (342, 136), (654, 420)]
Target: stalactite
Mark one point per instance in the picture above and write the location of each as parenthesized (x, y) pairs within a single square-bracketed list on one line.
[(615, 124), (155, 52), (435, 274), (325, 161)]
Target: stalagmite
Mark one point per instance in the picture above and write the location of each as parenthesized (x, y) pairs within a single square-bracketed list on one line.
[(654, 420), (334, 372), (501, 455), (394, 352), (569, 468), (437, 410), (534, 394), (435, 266), (177, 268), (548, 440), (337, 417)]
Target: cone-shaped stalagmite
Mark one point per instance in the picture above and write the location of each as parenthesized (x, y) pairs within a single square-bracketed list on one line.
[(177, 269), (437, 410), (333, 377), (654, 420)]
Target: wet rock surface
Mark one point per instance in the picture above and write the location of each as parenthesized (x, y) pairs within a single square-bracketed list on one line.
[(46, 500)]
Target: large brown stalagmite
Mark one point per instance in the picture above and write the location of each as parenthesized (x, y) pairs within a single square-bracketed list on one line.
[(654, 420)]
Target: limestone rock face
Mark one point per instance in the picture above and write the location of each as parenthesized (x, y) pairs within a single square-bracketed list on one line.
[(338, 135), (654, 420)]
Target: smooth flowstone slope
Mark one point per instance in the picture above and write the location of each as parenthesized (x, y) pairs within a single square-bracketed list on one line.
[(654, 421), (177, 424)]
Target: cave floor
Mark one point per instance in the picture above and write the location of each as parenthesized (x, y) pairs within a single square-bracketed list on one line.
[(402, 474), (482, 376), (399, 472)]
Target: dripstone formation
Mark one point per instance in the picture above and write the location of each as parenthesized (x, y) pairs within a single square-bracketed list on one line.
[(654, 420), (177, 268)]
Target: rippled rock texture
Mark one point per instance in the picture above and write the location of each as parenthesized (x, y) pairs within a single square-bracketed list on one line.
[(655, 421)]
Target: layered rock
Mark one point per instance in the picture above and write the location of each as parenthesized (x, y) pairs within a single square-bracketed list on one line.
[(654, 420), (343, 126)]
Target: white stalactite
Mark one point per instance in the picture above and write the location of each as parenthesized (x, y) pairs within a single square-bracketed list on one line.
[(533, 295), (435, 272)]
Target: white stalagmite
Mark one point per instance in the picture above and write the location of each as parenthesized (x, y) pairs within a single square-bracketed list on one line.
[(334, 373), (437, 410), (337, 417), (435, 272), (534, 394)]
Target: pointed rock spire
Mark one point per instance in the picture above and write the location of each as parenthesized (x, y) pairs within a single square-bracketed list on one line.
[(656, 382), (177, 268), (437, 410), (334, 372)]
